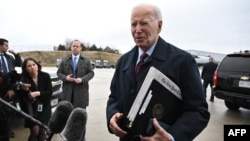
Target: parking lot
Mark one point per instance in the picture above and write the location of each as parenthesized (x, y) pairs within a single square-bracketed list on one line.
[(96, 124)]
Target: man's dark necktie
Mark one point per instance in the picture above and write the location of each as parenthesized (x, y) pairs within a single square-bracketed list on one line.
[(138, 66), (74, 67), (4, 66)]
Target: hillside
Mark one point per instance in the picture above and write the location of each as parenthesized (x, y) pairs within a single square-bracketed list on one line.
[(49, 58)]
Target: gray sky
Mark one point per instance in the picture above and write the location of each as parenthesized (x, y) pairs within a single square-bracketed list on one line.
[(221, 26)]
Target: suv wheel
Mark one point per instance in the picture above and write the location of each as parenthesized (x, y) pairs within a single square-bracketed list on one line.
[(232, 106)]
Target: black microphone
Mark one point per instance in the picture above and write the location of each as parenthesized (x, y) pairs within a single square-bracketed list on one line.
[(76, 124), (60, 116)]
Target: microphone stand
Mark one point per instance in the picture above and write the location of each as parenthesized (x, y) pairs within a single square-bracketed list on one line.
[(50, 135)]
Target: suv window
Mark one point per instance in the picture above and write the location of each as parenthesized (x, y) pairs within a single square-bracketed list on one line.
[(238, 63)]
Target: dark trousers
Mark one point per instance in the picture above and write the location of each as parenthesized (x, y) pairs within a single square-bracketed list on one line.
[(4, 130), (205, 84)]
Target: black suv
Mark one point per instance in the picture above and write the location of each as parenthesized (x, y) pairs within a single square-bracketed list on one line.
[(232, 80)]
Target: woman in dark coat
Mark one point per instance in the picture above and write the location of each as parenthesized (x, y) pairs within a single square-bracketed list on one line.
[(36, 97)]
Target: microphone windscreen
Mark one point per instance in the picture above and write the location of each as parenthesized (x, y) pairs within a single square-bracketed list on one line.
[(60, 116), (75, 127)]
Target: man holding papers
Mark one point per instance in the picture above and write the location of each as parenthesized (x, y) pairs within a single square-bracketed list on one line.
[(170, 103)]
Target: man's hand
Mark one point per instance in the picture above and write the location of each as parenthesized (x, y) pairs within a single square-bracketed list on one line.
[(78, 80), (10, 94), (70, 78), (160, 134), (11, 51), (114, 125)]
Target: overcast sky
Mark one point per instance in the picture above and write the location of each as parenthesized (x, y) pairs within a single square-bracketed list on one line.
[(221, 26)]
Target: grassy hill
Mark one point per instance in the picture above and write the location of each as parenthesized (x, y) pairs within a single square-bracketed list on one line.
[(49, 58)]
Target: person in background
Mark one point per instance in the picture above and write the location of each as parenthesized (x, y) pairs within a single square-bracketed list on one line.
[(178, 65), (36, 95), (4, 128), (75, 70), (8, 60), (207, 74)]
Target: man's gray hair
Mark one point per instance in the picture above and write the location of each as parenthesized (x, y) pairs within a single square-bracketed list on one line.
[(158, 14), (155, 9)]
